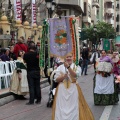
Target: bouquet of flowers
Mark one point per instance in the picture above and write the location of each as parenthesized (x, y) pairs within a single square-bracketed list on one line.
[(104, 68), (61, 37)]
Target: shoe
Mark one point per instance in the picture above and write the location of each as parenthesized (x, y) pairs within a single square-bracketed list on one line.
[(37, 101), (22, 98), (86, 74), (29, 103)]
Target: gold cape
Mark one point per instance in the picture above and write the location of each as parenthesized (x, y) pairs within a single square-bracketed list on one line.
[(84, 110)]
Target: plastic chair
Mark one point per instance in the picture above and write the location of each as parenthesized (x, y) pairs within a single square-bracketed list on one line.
[(8, 73), (12, 65), (2, 73)]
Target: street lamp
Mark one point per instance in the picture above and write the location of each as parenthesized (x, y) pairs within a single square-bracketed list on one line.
[(50, 6)]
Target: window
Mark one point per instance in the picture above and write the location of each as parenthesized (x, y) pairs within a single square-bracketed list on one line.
[(117, 6), (117, 18), (89, 10), (113, 17), (113, 6), (64, 13), (117, 29), (84, 14)]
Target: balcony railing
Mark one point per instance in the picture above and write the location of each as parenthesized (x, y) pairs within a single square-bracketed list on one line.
[(109, 11), (109, 1), (70, 2), (110, 21), (86, 19), (95, 4), (78, 3)]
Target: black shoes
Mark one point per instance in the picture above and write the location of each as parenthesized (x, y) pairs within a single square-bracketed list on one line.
[(38, 101), (22, 98), (84, 74), (29, 103)]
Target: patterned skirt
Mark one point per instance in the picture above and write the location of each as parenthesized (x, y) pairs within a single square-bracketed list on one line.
[(105, 99)]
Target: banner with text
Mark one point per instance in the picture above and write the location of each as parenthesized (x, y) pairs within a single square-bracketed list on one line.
[(18, 9), (33, 12)]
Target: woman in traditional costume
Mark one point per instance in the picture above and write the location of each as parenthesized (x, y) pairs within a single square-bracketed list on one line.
[(69, 102), (116, 71), (104, 83), (115, 60), (19, 84)]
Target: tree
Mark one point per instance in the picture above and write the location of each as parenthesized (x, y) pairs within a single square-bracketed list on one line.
[(1, 8), (103, 30)]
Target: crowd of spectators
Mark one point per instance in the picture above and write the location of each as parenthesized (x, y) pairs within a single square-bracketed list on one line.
[(11, 52)]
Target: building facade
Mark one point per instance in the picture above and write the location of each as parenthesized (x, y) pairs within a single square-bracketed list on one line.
[(87, 13), (72, 7), (109, 11), (117, 22), (117, 6)]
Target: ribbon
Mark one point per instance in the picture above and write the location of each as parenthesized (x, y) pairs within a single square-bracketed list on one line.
[(73, 39)]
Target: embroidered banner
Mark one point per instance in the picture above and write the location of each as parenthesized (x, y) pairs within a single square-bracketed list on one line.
[(60, 36), (18, 9), (33, 12)]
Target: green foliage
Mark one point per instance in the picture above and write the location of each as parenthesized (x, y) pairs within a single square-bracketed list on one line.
[(103, 30), (89, 32)]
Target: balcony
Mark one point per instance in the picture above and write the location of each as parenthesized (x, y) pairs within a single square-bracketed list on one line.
[(94, 19), (86, 19), (110, 21), (95, 4), (93, 15), (109, 11), (77, 4), (109, 1)]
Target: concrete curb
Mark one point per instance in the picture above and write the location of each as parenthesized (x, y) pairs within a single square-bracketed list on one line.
[(6, 100), (9, 97)]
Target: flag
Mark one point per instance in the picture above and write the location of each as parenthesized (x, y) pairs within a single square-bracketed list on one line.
[(106, 44), (18, 9), (60, 37)]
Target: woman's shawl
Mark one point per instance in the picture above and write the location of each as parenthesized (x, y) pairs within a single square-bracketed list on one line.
[(106, 59)]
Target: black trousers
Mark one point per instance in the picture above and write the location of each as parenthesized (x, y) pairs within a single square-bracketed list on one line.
[(34, 85), (94, 65)]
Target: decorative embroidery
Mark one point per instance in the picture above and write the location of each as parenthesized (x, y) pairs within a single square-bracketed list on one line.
[(61, 37)]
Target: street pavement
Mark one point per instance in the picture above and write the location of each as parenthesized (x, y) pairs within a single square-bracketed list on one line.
[(17, 110)]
